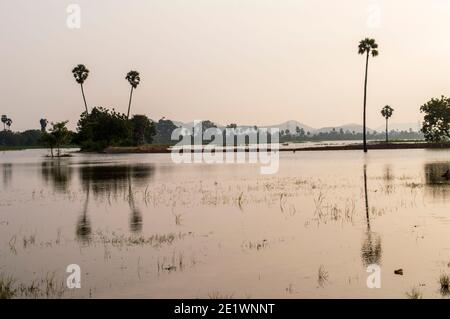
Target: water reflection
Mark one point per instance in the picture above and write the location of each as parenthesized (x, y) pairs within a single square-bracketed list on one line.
[(107, 181), (389, 179), (7, 174), (437, 179), (136, 215), (113, 180), (84, 230), (371, 248), (58, 173)]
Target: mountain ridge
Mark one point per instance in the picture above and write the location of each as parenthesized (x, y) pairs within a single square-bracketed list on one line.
[(291, 125)]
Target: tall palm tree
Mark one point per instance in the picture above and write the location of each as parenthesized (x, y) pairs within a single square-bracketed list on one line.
[(80, 73), (134, 79), (366, 46), (43, 123), (4, 119), (8, 123), (387, 113)]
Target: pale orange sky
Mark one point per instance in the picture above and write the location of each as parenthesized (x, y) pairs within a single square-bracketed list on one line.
[(245, 61)]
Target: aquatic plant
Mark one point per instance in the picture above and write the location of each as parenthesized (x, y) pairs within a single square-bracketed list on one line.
[(444, 281), (7, 291), (414, 293)]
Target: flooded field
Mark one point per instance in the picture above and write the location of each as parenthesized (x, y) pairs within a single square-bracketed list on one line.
[(140, 226)]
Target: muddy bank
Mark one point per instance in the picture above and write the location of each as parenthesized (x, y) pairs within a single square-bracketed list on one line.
[(372, 146)]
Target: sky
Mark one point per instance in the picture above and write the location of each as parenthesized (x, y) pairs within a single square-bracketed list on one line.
[(256, 62)]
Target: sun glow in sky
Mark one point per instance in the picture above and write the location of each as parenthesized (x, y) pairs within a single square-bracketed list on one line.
[(243, 61)]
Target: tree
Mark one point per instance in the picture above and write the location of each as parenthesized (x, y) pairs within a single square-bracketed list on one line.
[(366, 46), (8, 123), (164, 129), (102, 128), (386, 112), (80, 73), (143, 129), (60, 134), (436, 121), (49, 140), (207, 124), (43, 123), (4, 119), (302, 132), (134, 79)]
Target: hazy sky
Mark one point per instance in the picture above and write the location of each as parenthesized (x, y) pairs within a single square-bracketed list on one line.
[(244, 61)]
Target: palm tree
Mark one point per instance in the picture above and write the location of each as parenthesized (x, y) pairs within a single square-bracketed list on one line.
[(366, 46), (8, 123), (134, 79), (80, 73), (43, 123), (387, 113), (4, 119)]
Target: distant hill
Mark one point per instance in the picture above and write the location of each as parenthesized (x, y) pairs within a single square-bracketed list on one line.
[(292, 125)]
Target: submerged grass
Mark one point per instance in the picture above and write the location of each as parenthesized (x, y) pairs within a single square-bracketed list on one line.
[(444, 281), (7, 291), (155, 240), (46, 287), (219, 295), (322, 276), (414, 293)]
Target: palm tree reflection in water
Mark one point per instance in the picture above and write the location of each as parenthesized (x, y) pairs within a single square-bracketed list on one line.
[(112, 182), (136, 216), (84, 224), (371, 248)]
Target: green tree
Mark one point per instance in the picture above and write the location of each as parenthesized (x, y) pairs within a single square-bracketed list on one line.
[(43, 123), (9, 123), (436, 121), (366, 46), (102, 128), (387, 112), (164, 129), (60, 134), (134, 79), (80, 73), (143, 129), (49, 140), (4, 119)]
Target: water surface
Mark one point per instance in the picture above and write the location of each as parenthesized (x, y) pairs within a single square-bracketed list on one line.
[(142, 226)]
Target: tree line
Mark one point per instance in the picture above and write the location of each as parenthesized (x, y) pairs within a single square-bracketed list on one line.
[(101, 127)]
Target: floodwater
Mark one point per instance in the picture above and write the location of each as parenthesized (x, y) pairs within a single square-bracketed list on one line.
[(141, 226)]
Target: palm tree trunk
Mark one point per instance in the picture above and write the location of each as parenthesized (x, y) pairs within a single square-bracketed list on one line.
[(365, 98), (129, 103), (84, 99), (387, 138)]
